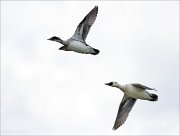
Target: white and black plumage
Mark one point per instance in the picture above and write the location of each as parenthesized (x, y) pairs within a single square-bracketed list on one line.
[(132, 92), (77, 42)]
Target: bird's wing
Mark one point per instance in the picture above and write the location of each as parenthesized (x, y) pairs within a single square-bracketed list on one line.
[(124, 110), (84, 26), (142, 86)]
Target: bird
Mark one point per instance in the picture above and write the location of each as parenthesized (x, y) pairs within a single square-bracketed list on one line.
[(132, 92), (77, 42)]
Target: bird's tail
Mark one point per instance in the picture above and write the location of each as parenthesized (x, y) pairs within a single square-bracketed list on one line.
[(154, 97), (95, 51)]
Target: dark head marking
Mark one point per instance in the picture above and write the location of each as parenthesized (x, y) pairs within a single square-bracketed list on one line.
[(54, 38), (110, 83)]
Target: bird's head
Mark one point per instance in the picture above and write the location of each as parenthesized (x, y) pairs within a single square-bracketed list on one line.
[(56, 39), (112, 84)]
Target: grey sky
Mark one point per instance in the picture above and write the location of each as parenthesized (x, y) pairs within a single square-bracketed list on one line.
[(47, 91)]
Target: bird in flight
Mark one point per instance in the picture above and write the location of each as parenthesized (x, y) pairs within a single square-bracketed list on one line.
[(132, 92), (77, 42)]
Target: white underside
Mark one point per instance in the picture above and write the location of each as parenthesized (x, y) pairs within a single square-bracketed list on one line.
[(137, 93), (79, 47)]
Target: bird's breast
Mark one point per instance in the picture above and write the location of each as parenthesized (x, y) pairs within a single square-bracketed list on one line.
[(137, 93), (79, 47)]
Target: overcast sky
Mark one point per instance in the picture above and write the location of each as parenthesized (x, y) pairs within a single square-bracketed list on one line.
[(47, 91)]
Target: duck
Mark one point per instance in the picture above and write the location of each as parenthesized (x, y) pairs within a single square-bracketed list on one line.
[(77, 42), (132, 92)]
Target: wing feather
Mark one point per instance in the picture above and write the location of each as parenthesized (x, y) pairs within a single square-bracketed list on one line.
[(84, 26), (124, 109), (142, 86)]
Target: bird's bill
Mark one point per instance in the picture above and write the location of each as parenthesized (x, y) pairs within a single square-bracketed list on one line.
[(54, 38), (109, 84)]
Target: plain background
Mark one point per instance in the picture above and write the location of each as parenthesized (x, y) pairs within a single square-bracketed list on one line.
[(47, 91)]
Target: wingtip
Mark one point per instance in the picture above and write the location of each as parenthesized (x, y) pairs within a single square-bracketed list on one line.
[(96, 7), (114, 128)]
